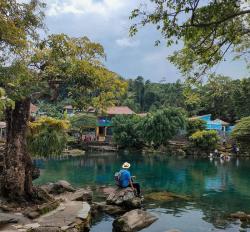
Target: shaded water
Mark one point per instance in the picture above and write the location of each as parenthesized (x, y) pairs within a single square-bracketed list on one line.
[(216, 188)]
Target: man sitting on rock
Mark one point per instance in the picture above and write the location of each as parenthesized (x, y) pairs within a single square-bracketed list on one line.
[(124, 179)]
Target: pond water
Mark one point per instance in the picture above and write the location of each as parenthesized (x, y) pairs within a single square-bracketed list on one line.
[(216, 188)]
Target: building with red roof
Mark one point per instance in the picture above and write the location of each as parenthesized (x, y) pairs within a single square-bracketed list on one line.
[(104, 124)]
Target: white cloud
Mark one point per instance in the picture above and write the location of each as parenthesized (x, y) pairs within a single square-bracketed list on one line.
[(107, 22), (127, 42), (102, 7)]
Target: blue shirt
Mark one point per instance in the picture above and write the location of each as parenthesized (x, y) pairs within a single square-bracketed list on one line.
[(124, 178)]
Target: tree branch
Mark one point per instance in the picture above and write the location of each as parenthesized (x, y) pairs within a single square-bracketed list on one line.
[(219, 21)]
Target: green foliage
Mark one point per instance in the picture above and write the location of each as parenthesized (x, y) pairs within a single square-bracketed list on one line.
[(4, 103), (52, 110), (241, 134), (208, 29), (144, 96), (195, 125), (205, 140), (83, 122), (218, 97), (75, 65), (127, 131), (241, 97), (162, 125), (18, 22), (47, 136), (154, 129)]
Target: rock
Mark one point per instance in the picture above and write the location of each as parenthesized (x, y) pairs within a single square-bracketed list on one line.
[(5, 208), (109, 209), (42, 195), (7, 218), (46, 229), (76, 152), (32, 214), (42, 209), (82, 195), (107, 190), (31, 226), (65, 228), (165, 196), (134, 220), (47, 207), (124, 197), (59, 187), (240, 215), (114, 210), (71, 216), (84, 212)]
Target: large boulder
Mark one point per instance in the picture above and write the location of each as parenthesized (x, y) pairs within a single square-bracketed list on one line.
[(134, 220), (70, 216), (124, 197), (59, 187), (113, 210), (82, 195)]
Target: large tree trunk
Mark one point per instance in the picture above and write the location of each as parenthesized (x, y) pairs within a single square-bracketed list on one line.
[(17, 167)]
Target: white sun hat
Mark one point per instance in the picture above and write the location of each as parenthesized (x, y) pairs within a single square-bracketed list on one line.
[(126, 165)]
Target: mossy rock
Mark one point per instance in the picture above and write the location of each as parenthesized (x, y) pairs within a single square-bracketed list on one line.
[(165, 196), (47, 207)]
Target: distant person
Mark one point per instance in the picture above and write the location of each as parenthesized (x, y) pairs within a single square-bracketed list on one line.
[(235, 149), (124, 179)]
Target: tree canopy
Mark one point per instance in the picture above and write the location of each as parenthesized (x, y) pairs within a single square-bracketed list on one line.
[(208, 29), (32, 69), (127, 131), (220, 96), (19, 23), (164, 124)]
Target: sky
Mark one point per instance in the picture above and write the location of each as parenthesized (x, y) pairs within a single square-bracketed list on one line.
[(107, 22)]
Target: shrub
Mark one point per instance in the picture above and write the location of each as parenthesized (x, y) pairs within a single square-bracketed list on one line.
[(205, 140), (241, 133), (127, 131), (194, 125), (47, 136)]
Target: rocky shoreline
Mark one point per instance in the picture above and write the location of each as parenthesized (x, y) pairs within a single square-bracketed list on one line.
[(72, 209)]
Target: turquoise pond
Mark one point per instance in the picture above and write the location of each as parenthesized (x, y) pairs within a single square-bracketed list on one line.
[(216, 188)]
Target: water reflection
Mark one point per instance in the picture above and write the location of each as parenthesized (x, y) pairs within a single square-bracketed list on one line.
[(216, 187)]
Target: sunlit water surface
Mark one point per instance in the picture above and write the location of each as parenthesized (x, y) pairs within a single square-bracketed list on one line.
[(216, 188)]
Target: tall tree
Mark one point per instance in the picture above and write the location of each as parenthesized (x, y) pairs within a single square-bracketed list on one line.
[(34, 70), (217, 97), (139, 91), (18, 29), (208, 29)]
